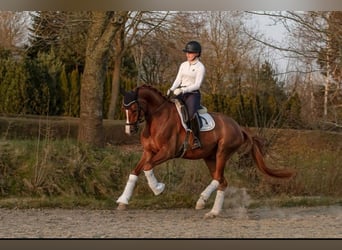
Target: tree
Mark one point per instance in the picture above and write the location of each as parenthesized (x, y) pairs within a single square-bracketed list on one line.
[(43, 84), (103, 27), (135, 27), (13, 29), (60, 31), (315, 44), (45, 31), (13, 84), (74, 93), (330, 61), (119, 49)]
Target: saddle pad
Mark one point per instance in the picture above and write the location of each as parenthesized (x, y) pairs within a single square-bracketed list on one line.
[(207, 120)]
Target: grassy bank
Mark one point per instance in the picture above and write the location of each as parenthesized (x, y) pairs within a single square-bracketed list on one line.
[(54, 172), (31, 127)]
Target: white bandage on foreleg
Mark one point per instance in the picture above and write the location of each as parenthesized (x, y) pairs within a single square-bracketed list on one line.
[(127, 193), (156, 186), (218, 204), (209, 189)]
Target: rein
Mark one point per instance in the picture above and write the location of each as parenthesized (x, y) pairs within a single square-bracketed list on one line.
[(184, 147), (159, 108)]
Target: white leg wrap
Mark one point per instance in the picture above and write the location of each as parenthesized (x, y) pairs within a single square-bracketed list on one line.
[(218, 204), (156, 186), (209, 189), (200, 204), (127, 193)]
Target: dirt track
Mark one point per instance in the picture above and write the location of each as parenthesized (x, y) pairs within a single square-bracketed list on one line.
[(313, 222)]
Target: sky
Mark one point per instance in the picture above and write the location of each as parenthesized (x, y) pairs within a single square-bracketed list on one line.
[(274, 33)]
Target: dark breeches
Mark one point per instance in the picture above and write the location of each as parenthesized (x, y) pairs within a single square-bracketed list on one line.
[(193, 102)]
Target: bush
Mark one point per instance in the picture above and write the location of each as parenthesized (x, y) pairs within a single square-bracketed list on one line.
[(65, 173)]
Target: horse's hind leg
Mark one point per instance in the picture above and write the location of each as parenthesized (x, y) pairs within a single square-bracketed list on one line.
[(200, 204), (217, 173)]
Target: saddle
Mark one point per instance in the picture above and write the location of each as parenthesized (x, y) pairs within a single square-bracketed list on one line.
[(207, 122)]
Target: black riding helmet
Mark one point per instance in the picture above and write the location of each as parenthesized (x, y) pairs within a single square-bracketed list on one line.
[(193, 47)]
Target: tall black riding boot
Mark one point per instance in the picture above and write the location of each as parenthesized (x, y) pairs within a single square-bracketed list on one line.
[(194, 123)]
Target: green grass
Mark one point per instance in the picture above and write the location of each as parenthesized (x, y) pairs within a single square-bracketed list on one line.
[(60, 173)]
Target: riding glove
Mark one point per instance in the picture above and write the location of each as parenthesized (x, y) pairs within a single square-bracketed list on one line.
[(178, 91)]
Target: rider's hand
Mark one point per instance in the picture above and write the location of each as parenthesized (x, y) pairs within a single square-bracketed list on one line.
[(178, 91), (168, 92)]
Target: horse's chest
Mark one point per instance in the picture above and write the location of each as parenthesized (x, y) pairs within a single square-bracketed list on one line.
[(156, 142)]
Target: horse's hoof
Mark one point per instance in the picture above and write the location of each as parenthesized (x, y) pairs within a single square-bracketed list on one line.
[(200, 204), (159, 189), (210, 215), (121, 207)]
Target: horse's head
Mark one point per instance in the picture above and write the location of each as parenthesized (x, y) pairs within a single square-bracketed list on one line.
[(132, 108), (143, 101)]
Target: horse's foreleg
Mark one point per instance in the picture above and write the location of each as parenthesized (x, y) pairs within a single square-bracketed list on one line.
[(161, 156), (156, 187), (130, 185), (127, 193)]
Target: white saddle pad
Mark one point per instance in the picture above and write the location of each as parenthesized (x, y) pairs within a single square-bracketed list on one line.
[(207, 121)]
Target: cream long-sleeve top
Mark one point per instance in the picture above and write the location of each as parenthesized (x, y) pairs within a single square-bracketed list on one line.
[(190, 76)]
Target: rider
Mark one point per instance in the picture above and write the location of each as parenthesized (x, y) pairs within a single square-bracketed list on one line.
[(187, 84)]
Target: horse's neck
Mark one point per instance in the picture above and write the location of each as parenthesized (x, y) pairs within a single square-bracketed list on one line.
[(161, 121), (153, 100)]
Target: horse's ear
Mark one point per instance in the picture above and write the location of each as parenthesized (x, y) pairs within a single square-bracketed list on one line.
[(122, 91)]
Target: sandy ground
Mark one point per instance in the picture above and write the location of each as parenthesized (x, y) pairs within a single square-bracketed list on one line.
[(297, 222)]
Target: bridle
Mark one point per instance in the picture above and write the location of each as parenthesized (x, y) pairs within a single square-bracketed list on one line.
[(132, 99), (140, 118)]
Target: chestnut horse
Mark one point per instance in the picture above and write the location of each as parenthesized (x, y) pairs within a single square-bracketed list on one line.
[(163, 139)]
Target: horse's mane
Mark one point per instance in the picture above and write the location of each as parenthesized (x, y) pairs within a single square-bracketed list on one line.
[(146, 86)]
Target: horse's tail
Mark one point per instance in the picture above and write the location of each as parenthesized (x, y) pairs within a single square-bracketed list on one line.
[(257, 151)]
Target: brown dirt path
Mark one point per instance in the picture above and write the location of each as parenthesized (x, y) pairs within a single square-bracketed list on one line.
[(296, 222)]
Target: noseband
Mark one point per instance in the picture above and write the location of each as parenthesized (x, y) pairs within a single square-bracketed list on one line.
[(132, 97)]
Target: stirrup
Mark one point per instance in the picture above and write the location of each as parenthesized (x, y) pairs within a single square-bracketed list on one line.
[(196, 144)]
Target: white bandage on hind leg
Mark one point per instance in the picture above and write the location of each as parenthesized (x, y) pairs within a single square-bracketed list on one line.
[(156, 186), (209, 189), (218, 204), (127, 193)]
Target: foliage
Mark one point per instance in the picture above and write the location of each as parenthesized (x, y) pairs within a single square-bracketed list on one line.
[(45, 78), (57, 172), (60, 31), (42, 84), (13, 85)]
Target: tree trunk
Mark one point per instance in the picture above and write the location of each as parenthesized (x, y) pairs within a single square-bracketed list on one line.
[(327, 79), (101, 33), (115, 88), (119, 50)]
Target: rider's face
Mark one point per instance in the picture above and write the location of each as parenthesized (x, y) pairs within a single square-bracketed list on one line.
[(191, 56)]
